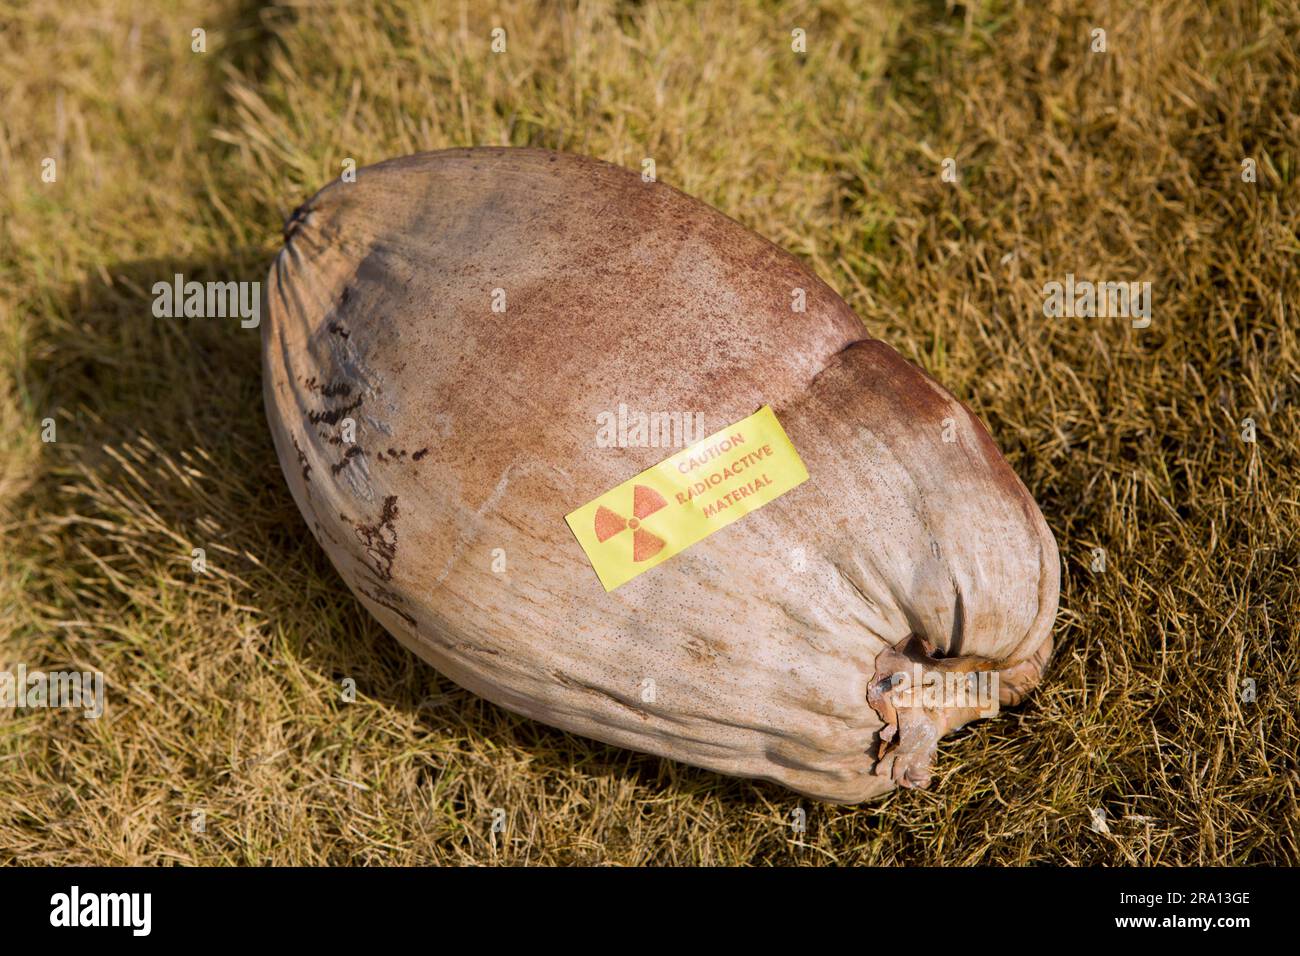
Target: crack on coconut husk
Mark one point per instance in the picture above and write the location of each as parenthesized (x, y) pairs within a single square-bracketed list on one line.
[(389, 599), (911, 734), (380, 539)]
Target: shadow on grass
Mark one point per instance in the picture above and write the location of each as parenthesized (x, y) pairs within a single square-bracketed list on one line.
[(186, 395)]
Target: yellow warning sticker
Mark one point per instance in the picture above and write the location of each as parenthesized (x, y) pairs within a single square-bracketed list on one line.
[(684, 499)]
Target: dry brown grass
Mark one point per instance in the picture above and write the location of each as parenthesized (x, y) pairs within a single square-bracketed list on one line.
[(223, 690)]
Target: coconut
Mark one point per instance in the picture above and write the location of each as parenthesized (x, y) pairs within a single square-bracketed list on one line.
[(443, 337)]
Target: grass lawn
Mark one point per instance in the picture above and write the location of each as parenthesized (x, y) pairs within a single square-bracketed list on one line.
[(223, 689)]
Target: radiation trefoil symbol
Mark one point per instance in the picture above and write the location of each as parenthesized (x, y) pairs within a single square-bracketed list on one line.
[(645, 502)]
